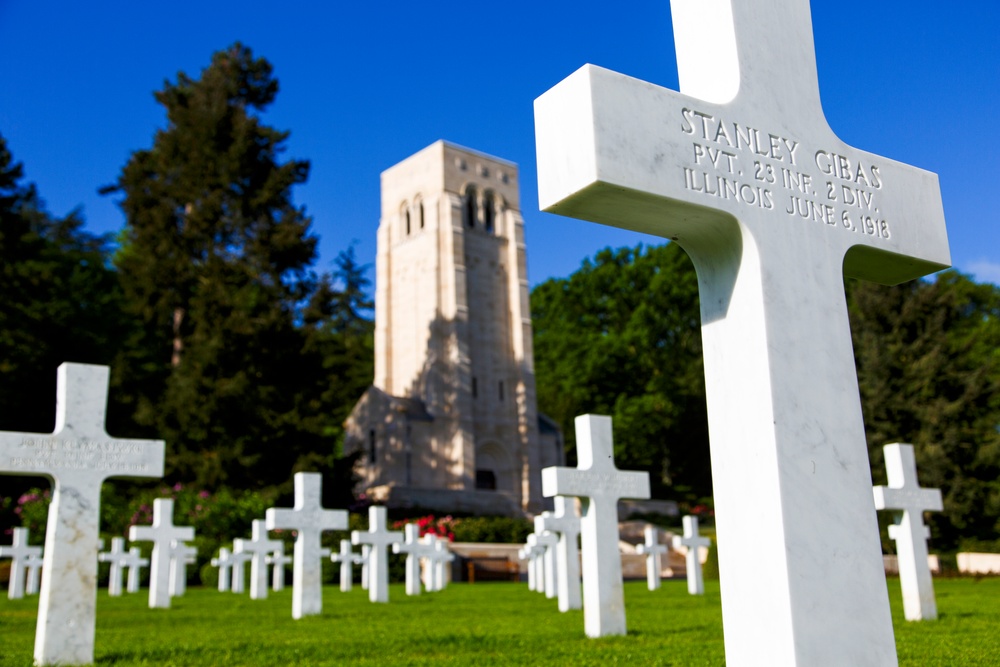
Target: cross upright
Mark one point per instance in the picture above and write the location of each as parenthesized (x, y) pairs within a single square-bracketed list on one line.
[(259, 547), (908, 502), (414, 550), (536, 563), (134, 561), (278, 560), (77, 457), (224, 561), (742, 170), (693, 542), (548, 542), (599, 485), (238, 575), (310, 520), (653, 551), (32, 564), (524, 553), (565, 521), (163, 533), (181, 555), (347, 559), (19, 551), (378, 537), (439, 561), (114, 556)]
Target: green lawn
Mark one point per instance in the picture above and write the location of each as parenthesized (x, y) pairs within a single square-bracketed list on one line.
[(482, 624)]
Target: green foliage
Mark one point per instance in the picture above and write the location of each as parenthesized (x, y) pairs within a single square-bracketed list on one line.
[(928, 357), (481, 624), (622, 337)]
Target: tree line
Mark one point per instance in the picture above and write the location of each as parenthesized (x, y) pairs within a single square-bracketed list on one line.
[(225, 341)]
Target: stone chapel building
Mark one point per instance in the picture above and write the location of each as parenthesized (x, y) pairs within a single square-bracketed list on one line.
[(451, 422)]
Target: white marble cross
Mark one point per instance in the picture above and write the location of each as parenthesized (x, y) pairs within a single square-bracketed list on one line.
[(908, 502), (347, 559), (181, 555), (693, 542), (599, 485), (33, 563), (524, 553), (536, 561), (114, 556), (134, 562), (310, 520), (77, 456), (19, 551), (278, 560), (224, 561), (653, 551), (163, 533), (742, 170), (238, 583), (440, 559), (549, 543), (565, 521), (259, 547), (414, 550), (378, 537), (365, 552)]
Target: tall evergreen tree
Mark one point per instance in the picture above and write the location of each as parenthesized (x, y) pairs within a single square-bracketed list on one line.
[(215, 263)]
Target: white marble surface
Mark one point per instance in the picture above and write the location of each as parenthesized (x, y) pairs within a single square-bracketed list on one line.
[(727, 168), (379, 539), (599, 485), (565, 521), (77, 456), (224, 561), (278, 561), (163, 533), (536, 563), (19, 551), (117, 570), (693, 542), (310, 520), (259, 546), (415, 550), (653, 551), (908, 501)]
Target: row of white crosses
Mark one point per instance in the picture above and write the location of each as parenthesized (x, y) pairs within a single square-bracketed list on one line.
[(121, 561)]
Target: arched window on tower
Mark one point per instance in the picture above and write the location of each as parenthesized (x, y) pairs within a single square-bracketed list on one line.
[(488, 211), (469, 212), (407, 215), (420, 214)]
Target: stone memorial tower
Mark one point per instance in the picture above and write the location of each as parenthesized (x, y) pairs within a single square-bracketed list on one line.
[(451, 422)]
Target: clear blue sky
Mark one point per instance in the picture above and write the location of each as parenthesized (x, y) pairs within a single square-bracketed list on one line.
[(366, 84)]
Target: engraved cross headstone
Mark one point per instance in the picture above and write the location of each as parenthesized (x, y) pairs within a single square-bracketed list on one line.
[(440, 559), (414, 550), (742, 170), (77, 457), (310, 520), (117, 571), (163, 533), (653, 551), (33, 563), (565, 521), (259, 547), (181, 555), (19, 551), (524, 553), (379, 538), (238, 573), (693, 542), (536, 563), (908, 502), (599, 485)]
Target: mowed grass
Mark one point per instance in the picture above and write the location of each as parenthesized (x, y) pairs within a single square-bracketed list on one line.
[(481, 624)]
